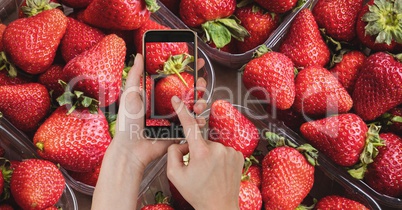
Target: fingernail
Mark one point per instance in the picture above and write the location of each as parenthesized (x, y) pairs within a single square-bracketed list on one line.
[(176, 99)]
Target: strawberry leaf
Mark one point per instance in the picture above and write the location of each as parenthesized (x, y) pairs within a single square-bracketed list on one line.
[(35, 7), (76, 99), (152, 5), (177, 64), (5, 64)]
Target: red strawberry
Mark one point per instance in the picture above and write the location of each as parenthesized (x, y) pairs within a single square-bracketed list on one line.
[(303, 43), (385, 174), (158, 53), (271, 77), (30, 8), (255, 175), (89, 178), (249, 16), (6, 207), (338, 18), (76, 4), (157, 122), (2, 29), (377, 87), (37, 184), (378, 26), (336, 202), (98, 71), (287, 178), (289, 117), (249, 196), (318, 92), (231, 128), (179, 203), (341, 137), (50, 79), (214, 17), (229, 48), (161, 203), (32, 42), (76, 141), (148, 84), (24, 105), (170, 86), (277, 6), (121, 15), (347, 68), (139, 33), (78, 38)]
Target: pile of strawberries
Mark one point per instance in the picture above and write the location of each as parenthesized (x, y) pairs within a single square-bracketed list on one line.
[(232, 26), (30, 184), (336, 78)]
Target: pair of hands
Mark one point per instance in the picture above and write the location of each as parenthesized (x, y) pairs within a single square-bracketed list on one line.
[(211, 180)]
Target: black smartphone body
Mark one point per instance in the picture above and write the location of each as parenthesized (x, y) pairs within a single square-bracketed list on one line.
[(170, 66)]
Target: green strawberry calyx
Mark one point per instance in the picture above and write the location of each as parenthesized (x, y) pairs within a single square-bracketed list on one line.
[(384, 20), (177, 64), (76, 99), (370, 151), (35, 7), (221, 31), (299, 5), (309, 152), (160, 198), (152, 5), (261, 50), (6, 172), (111, 119), (7, 65)]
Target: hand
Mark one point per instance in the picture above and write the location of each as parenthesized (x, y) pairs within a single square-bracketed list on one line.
[(130, 122), (211, 180)]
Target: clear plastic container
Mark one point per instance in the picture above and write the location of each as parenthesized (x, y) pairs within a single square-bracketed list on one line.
[(329, 179), (233, 61), (384, 200), (17, 147)]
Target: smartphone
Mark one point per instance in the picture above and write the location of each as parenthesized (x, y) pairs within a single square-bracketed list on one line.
[(170, 61)]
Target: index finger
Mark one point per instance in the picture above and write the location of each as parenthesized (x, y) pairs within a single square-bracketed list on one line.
[(190, 126)]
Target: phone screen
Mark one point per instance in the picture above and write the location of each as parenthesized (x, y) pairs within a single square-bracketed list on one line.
[(170, 70)]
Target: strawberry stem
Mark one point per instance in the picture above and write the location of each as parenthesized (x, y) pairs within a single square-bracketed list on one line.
[(262, 49), (76, 99), (370, 151), (5, 64), (177, 64), (152, 5), (35, 7), (384, 20)]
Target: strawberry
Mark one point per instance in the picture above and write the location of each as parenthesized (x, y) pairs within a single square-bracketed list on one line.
[(270, 77), (121, 15), (76, 4), (338, 18), (303, 42), (277, 6), (379, 27), (139, 33), (148, 84), (30, 8), (385, 174), (229, 48), (5, 206), (249, 195), (287, 178), (161, 203), (32, 42), (254, 173), (50, 79), (231, 128), (170, 86), (289, 117), (318, 92), (77, 141), (2, 29), (214, 18), (249, 16), (37, 184), (341, 137), (158, 53), (377, 87), (24, 105), (78, 38), (347, 68), (98, 71), (336, 202), (179, 203), (89, 178)]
